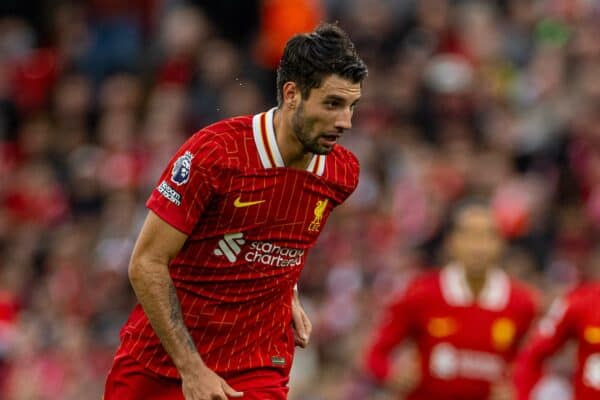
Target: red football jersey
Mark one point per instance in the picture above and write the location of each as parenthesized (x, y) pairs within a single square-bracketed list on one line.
[(464, 343), (576, 316), (251, 222)]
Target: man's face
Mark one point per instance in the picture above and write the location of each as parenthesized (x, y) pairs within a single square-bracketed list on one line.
[(319, 121), (475, 241)]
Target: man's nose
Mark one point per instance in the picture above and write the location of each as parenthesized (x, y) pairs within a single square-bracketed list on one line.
[(344, 120)]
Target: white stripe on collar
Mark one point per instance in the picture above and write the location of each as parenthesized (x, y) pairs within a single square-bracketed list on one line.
[(258, 140), (266, 144), (321, 167), (272, 140), (317, 164), (455, 290), (496, 292)]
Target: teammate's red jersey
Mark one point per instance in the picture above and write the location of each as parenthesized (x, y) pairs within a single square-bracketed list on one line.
[(251, 222), (464, 343), (576, 316)]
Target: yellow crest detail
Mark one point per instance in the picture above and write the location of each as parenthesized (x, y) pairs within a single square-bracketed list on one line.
[(592, 334), (441, 327), (319, 210), (503, 333)]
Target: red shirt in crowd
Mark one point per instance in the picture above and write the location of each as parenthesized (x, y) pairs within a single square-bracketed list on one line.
[(465, 343), (251, 222), (576, 316)]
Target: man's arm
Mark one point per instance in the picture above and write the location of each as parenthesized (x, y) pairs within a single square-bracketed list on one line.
[(395, 326), (300, 322), (553, 331), (156, 246)]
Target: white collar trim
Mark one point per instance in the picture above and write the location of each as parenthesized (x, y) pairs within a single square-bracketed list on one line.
[(317, 164), (494, 295)]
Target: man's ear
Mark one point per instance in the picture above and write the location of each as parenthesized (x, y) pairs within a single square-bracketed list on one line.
[(291, 95)]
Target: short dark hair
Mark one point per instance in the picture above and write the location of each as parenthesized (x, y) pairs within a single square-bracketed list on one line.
[(459, 207), (308, 58)]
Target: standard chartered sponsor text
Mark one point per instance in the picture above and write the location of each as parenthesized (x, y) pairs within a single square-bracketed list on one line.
[(449, 362), (591, 371), (271, 254)]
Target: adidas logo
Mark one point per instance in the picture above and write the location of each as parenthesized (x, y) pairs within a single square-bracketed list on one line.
[(229, 246)]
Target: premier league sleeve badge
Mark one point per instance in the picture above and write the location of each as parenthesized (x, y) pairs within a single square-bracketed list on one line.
[(180, 173)]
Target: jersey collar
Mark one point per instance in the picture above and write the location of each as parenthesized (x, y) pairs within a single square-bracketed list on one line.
[(456, 292), (266, 144)]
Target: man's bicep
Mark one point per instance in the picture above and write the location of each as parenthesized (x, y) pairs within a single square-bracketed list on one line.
[(394, 327), (551, 333), (554, 329), (158, 241)]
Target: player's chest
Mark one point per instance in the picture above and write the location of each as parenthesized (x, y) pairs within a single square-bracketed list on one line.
[(278, 199), (470, 328)]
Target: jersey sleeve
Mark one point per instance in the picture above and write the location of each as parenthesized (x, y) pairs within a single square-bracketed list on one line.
[(187, 184), (552, 332), (346, 173), (396, 325)]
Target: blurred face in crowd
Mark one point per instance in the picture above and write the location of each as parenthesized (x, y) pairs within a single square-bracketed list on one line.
[(475, 241), (319, 120)]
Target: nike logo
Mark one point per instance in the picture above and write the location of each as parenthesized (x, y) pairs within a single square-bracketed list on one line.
[(239, 204)]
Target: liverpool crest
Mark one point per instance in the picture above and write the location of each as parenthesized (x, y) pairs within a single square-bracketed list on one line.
[(320, 207)]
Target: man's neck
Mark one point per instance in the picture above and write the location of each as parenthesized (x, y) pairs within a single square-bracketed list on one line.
[(476, 281), (292, 151)]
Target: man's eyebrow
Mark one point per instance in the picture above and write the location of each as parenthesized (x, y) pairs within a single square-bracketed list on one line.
[(339, 98), (335, 97)]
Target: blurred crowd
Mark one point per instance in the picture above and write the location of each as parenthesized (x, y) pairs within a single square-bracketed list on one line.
[(498, 98)]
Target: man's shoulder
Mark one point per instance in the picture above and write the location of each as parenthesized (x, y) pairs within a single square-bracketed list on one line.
[(229, 129), (343, 156), (227, 136), (591, 288), (524, 294), (584, 294), (419, 288), (425, 284), (343, 167), (523, 289)]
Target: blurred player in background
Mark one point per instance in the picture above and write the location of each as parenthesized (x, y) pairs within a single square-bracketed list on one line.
[(230, 224), (576, 316), (466, 319)]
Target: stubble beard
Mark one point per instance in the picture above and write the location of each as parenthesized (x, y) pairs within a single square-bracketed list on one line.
[(302, 131)]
